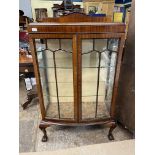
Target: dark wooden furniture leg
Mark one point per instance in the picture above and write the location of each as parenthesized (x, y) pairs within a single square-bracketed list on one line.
[(26, 103), (43, 129), (30, 97), (110, 135)]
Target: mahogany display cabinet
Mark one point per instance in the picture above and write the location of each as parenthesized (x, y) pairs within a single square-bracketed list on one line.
[(77, 62)]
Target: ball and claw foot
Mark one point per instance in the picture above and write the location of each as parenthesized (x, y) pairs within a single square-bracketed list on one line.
[(45, 138), (110, 135)]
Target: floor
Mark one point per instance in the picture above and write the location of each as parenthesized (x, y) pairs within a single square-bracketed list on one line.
[(59, 137), (126, 147)]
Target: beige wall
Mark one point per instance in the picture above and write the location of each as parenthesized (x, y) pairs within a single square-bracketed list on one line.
[(46, 4), (105, 6)]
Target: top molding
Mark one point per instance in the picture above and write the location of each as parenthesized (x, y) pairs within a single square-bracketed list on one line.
[(76, 23)]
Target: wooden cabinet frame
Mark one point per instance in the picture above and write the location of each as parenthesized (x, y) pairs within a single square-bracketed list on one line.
[(76, 32)]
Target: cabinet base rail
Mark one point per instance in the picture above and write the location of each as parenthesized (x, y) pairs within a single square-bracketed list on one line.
[(112, 124)]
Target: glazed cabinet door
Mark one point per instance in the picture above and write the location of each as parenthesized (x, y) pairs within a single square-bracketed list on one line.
[(54, 62), (98, 57), (77, 75)]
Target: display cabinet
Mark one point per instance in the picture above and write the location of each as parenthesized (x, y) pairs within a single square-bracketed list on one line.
[(77, 63)]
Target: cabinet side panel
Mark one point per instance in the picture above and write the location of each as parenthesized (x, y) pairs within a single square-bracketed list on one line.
[(36, 71)]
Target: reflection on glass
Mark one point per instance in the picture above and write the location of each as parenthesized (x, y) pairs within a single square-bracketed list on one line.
[(98, 69), (56, 73)]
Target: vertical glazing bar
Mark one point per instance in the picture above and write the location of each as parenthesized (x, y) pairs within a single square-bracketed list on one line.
[(107, 44), (59, 43), (56, 84), (93, 44), (98, 82)]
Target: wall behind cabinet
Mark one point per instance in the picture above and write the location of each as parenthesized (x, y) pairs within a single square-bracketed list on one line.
[(25, 5), (48, 5)]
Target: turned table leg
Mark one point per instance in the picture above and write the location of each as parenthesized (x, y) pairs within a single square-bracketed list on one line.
[(26, 103), (30, 96), (110, 135)]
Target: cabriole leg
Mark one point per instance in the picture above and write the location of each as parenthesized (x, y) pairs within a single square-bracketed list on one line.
[(43, 129), (110, 135)]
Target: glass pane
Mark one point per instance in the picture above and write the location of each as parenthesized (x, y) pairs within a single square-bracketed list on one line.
[(56, 73), (98, 70)]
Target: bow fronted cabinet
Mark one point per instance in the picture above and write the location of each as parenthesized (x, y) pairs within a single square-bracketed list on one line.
[(77, 60)]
